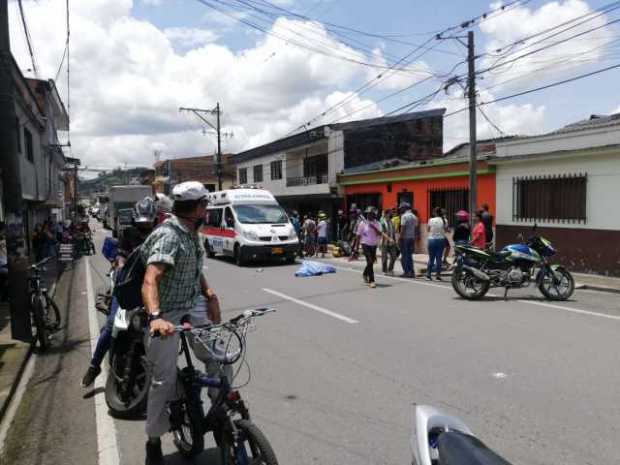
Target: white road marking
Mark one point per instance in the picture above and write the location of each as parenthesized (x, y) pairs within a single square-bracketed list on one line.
[(569, 309), (16, 400), (338, 316), (530, 302), (499, 375), (106, 430)]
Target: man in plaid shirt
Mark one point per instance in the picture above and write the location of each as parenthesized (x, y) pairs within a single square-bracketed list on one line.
[(172, 283)]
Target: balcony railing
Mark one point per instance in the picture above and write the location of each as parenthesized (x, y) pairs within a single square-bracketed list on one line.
[(306, 181)]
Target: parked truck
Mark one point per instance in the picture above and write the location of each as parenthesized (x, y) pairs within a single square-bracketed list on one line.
[(123, 197)]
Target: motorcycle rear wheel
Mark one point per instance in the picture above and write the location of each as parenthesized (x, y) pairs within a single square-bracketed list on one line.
[(468, 286), (555, 287)]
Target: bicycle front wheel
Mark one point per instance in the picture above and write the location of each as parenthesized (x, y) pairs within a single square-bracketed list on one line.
[(186, 421), (52, 314), (252, 447)]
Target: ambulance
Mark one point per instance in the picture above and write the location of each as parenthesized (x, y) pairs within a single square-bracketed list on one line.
[(248, 224)]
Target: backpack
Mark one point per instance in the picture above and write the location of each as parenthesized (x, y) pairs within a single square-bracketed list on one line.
[(129, 279)]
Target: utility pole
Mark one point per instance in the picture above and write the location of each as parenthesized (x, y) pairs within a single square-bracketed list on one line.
[(217, 112), (16, 240), (218, 164), (471, 94)]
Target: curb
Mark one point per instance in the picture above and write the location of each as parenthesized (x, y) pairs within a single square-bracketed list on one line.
[(611, 290), (20, 371), (16, 381)]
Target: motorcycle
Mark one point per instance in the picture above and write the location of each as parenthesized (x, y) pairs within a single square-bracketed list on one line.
[(127, 386), (440, 439), (515, 266)]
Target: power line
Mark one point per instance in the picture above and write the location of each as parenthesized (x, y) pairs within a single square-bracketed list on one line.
[(536, 89), (497, 128), (28, 38), (601, 11), (553, 44), (328, 51)]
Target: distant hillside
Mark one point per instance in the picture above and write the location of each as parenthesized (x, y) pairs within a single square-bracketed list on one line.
[(110, 178)]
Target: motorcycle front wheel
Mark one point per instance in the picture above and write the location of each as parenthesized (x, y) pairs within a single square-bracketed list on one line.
[(468, 286), (556, 285), (127, 402), (253, 448)]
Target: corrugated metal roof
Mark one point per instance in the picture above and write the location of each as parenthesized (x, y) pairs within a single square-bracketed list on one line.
[(593, 122)]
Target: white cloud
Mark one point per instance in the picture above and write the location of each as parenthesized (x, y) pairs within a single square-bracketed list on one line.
[(512, 119), (397, 78), (613, 112), (152, 2), (190, 37), (128, 82), (521, 21)]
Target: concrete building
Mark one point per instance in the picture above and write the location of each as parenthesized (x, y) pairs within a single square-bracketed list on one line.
[(40, 115), (302, 170), (567, 182)]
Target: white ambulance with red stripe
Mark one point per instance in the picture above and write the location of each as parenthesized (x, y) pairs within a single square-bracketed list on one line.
[(248, 224)]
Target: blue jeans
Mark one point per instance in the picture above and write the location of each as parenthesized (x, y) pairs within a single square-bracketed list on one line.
[(105, 336), (406, 258), (435, 251)]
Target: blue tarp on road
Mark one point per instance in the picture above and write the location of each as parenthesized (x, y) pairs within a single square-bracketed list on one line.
[(309, 268)]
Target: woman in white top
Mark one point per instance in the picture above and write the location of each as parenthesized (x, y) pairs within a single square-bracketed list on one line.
[(436, 243)]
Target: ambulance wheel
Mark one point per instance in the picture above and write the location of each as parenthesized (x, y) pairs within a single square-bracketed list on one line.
[(210, 252), (239, 260)]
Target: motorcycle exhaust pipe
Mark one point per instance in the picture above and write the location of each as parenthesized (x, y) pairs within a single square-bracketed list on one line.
[(481, 275)]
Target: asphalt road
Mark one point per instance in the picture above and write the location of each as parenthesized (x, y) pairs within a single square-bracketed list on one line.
[(335, 371)]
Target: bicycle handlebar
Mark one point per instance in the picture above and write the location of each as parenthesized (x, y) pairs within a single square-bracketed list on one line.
[(236, 321), (40, 264)]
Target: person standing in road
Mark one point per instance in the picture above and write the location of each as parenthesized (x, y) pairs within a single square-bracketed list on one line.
[(369, 232), (389, 249), (408, 223), (462, 232), (436, 242), (172, 283), (487, 221), (478, 235), (309, 228), (446, 249), (321, 230)]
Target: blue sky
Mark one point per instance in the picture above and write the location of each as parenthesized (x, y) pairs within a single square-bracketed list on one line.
[(415, 19), (135, 62)]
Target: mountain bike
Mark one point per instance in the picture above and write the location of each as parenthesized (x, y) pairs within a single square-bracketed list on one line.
[(240, 441), (44, 313)]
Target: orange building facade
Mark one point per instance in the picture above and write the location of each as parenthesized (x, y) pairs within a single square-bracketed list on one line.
[(437, 183)]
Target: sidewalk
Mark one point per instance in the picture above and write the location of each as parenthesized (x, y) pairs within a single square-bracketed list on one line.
[(14, 354)]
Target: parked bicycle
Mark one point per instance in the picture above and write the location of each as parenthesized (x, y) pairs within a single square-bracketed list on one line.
[(44, 313), (240, 441)]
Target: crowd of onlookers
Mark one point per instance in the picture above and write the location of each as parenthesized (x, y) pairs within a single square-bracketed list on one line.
[(47, 236), (396, 233)]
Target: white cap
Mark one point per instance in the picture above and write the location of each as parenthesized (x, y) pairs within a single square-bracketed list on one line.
[(190, 190)]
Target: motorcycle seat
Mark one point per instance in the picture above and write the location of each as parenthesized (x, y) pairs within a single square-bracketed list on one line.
[(456, 448)]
